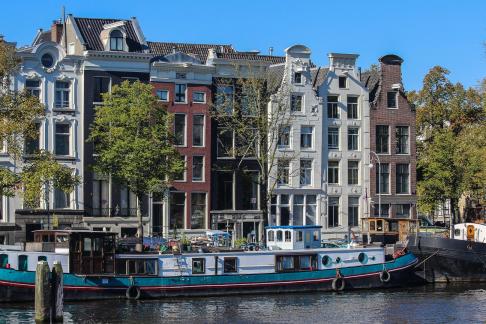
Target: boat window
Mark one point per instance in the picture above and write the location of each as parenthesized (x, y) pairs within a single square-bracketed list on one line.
[(87, 244), (279, 236), (150, 267), (394, 226), (372, 225), (41, 258), (326, 261), (140, 266), (121, 266), (288, 236), (379, 225), (299, 236), (3, 260), (457, 232), (131, 266), (287, 263), (61, 238), (97, 244), (230, 264), (304, 262), (271, 236), (45, 238), (198, 266), (307, 236), (23, 263), (316, 236), (362, 258)]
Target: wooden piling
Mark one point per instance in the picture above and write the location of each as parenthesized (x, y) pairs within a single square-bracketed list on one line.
[(57, 281), (42, 293)]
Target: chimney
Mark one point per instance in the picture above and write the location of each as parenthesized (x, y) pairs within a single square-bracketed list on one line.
[(270, 50), (56, 31), (391, 69)]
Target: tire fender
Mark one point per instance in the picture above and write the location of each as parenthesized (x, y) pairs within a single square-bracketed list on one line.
[(338, 284), (133, 293), (385, 276)]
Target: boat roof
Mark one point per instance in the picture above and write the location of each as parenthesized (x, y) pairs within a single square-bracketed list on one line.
[(73, 231), (293, 227)]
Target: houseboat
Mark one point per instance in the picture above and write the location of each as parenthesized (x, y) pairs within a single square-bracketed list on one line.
[(293, 261), (456, 257)]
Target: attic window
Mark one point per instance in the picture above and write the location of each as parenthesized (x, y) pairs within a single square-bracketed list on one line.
[(297, 78), (116, 41)]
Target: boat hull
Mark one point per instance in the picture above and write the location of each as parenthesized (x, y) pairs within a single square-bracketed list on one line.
[(17, 286), (449, 260)]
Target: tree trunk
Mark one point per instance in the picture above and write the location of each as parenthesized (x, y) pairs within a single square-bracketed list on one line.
[(139, 245)]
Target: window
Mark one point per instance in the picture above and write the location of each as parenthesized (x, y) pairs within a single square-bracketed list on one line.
[(271, 236), (353, 138), (249, 190), (63, 134), (1, 211), (306, 137), (62, 94), (225, 143), (47, 60), (33, 87), (198, 130), (402, 140), (391, 99), (197, 168), (230, 265), (353, 211), (297, 78), (100, 85), (163, 95), (279, 236), (305, 172), (343, 82), (180, 93), (198, 266), (198, 210), (332, 107), (32, 145), (333, 172), (333, 212), (116, 41), (283, 137), (224, 99), (283, 171), (273, 209), (100, 197), (224, 188), (177, 206), (382, 178), (62, 199), (199, 97), (298, 210), (284, 211), (296, 103), (333, 138), (3, 260), (385, 210), (382, 136), (288, 236), (403, 210), (300, 236), (310, 209), (353, 172), (402, 174), (23, 262), (352, 107), (180, 129), (181, 76), (128, 203), (181, 176)]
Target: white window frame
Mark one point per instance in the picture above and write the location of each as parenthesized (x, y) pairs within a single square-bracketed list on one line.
[(338, 141), (346, 85), (69, 90), (302, 101), (408, 180), (203, 130), (199, 92), (162, 90), (175, 94), (284, 147), (202, 168), (311, 173), (184, 173), (184, 144), (288, 173), (110, 83), (311, 135), (396, 99), (38, 88), (408, 139), (71, 148)]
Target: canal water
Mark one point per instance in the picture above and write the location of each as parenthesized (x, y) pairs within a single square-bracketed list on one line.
[(429, 304)]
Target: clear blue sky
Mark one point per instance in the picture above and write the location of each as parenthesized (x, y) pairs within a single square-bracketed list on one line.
[(423, 32)]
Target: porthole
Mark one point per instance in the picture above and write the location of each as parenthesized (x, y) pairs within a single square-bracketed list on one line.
[(338, 260), (47, 60), (326, 261), (363, 258)]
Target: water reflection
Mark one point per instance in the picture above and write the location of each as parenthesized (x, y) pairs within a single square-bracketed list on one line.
[(431, 304)]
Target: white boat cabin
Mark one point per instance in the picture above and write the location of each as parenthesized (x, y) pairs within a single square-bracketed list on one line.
[(293, 237), (470, 232)]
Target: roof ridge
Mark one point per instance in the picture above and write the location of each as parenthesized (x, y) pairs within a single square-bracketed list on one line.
[(203, 44), (75, 17)]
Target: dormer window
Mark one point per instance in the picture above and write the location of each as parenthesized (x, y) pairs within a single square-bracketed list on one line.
[(116, 40), (297, 78)]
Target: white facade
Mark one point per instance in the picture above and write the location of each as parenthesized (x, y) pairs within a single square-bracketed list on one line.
[(298, 193), (345, 146), (46, 71)]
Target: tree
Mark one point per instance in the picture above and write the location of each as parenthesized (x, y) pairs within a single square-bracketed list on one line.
[(18, 113), (133, 142), (446, 115), (257, 116)]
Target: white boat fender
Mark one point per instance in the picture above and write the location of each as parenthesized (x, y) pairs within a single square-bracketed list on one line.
[(133, 293), (385, 276)]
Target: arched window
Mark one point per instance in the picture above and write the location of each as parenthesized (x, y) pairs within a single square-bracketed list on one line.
[(116, 41)]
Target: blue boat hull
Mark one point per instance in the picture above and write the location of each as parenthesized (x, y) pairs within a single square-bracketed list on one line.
[(16, 286)]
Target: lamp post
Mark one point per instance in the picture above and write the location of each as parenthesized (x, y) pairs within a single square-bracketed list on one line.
[(379, 179)]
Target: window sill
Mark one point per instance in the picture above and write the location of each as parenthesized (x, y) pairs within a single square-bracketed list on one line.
[(64, 157), (392, 108), (179, 181), (198, 181), (308, 150), (64, 110), (199, 102), (180, 103)]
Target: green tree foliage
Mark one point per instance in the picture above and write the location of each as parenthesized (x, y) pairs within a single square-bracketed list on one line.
[(133, 141), (41, 175), (450, 124)]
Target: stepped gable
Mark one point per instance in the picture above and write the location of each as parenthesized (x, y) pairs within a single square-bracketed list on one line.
[(200, 51), (91, 28)]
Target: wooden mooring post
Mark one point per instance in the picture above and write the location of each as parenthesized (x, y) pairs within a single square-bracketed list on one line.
[(49, 293)]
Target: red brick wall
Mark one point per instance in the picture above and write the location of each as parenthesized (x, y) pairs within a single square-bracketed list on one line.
[(403, 116), (190, 109)]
